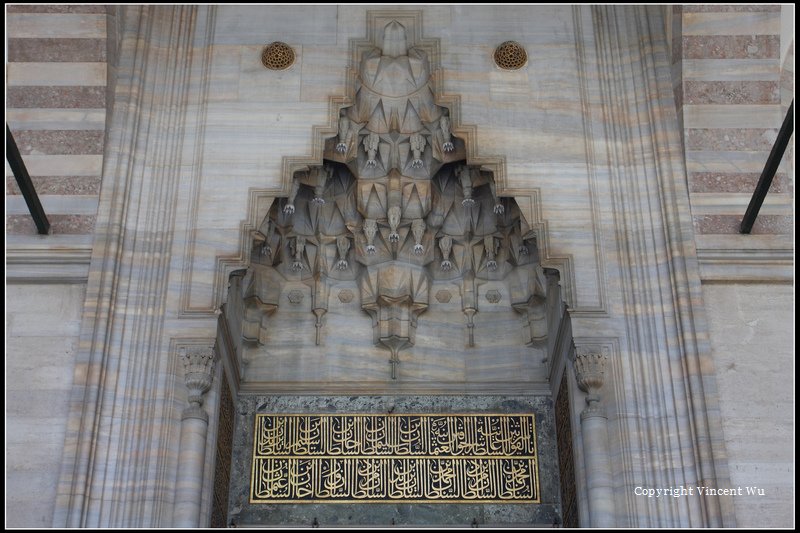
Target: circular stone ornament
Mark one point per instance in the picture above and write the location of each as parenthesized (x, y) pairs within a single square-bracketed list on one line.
[(277, 56), (510, 56)]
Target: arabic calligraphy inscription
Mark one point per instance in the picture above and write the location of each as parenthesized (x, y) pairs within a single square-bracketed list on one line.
[(413, 458)]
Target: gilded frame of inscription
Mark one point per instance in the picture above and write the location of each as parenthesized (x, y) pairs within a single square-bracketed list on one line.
[(405, 458)]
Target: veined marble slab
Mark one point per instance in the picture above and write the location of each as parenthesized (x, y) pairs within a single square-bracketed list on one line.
[(48, 25)]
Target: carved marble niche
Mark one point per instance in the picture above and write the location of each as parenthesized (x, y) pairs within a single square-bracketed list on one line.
[(393, 260)]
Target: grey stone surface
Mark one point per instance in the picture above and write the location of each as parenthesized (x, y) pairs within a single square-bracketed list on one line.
[(244, 513)]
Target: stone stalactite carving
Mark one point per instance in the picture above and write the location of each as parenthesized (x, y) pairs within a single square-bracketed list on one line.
[(370, 230), (371, 143), (444, 132), (344, 135), (531, 302), (320, 301), (261, 300), (446, 246), (394, 183), (297, 252), (417, 142), (343, 246)]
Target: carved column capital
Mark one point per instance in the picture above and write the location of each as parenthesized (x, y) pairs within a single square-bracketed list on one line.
[(198, 364), (590, 363)]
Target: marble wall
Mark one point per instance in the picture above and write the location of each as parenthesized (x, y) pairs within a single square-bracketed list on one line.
[(56, 110), (737, 72), (752, 352), (787, 97), (731, 107), (42, 325), (57, 70), (56, 62)]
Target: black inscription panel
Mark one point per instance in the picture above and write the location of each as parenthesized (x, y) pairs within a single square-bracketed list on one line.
[(381, 458)]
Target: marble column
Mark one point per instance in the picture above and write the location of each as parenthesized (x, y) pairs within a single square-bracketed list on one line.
[(199, 365), (118, 465), (589, 372), (666, 421)]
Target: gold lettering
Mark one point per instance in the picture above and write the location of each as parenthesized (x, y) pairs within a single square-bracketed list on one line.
[(442, 479), (334, 479), (374, 436), (415, 458), (403, 482), (371, 474), (300, 477), (343, 439), (516, 479), (271, 481), (478, 480)]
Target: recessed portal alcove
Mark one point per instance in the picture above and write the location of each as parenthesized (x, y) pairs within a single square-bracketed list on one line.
[(394, 280)]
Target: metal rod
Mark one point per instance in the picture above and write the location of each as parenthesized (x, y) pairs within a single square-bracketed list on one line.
[(25, 184), (773, 161)]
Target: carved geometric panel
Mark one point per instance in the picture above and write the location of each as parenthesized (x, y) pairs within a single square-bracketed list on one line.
[(443, 296), (346, 296), (295, 296)]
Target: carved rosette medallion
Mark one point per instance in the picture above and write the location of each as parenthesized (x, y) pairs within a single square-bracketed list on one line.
[(277, 56), (510, 56)]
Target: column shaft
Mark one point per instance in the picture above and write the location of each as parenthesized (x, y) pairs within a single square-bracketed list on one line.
[(191, 463), (598, 470)]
